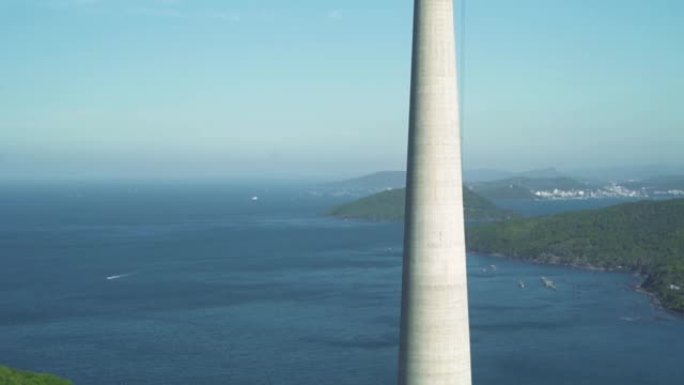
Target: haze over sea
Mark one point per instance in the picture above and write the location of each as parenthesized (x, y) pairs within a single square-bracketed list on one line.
[(171, 283)]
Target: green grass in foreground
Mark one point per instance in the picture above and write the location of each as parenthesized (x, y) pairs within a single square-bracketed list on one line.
[(9, 376)]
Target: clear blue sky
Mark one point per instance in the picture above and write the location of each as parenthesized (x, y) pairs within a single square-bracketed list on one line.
[(317, 87)]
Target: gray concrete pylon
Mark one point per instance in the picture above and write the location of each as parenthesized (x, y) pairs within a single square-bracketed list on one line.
[(435, 340)]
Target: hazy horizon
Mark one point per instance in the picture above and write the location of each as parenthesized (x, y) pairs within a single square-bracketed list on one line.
[(180, 89)]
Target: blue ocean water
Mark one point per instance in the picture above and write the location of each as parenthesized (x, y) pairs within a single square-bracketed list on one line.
[(208, 286)]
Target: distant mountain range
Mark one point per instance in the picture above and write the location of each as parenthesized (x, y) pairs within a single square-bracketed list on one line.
[(377, 181), (389, 205), (526, 187), (625, 173), (645, 237), (658, 185), (383, 180), (564, 188), (545, 184), (488, 175)]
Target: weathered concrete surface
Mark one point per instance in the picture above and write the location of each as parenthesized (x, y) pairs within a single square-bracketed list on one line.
[(435, 340)]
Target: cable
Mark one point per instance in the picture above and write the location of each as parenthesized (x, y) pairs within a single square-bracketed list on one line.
[(461, 69)]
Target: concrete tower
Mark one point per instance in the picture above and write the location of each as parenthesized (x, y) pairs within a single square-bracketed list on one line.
[(435, 339)]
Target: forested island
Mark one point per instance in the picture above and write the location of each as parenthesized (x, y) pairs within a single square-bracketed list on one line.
[(389, 205), (645, 237), (9, 376)]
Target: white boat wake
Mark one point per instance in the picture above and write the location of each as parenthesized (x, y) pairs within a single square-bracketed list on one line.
[(120, 276)]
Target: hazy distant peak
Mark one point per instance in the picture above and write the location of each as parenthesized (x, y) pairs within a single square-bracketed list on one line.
[(376, 181), (549, 172), (487, 174)]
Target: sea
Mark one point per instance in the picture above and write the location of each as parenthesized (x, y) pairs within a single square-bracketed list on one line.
[(206, 283)]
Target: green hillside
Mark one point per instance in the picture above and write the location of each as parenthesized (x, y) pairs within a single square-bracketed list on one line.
[(389, 205), (646, 237), (9, 376)]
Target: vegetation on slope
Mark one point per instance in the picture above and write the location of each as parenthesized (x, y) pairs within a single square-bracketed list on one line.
[(389, 205), (646, 237), (9, 376)]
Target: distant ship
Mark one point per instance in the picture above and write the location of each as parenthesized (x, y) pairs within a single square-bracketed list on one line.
[(521, 284), (255, 198), (548, 283)]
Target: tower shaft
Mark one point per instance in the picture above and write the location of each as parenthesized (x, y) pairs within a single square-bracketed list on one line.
[(435, 340)]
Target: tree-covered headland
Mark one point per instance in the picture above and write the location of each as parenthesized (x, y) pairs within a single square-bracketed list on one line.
[(645, 237), (389, 206)]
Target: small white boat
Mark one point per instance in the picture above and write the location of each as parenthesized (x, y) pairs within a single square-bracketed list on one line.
[(255, 198), (521, 284), (549, 284)]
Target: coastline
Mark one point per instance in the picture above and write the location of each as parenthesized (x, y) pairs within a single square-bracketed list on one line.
[(639, 288)]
